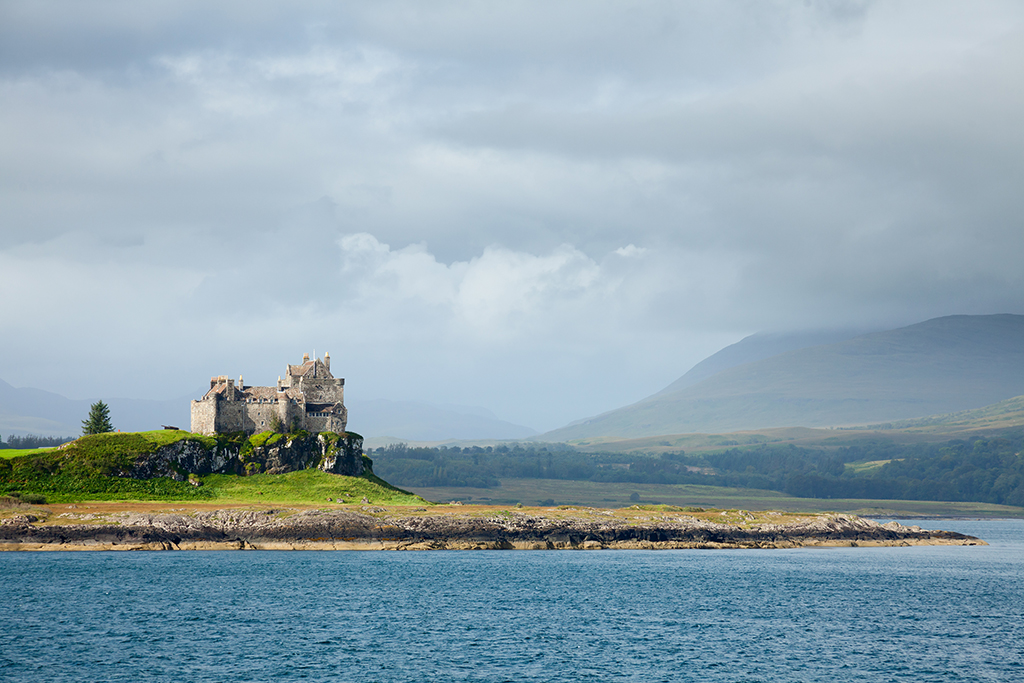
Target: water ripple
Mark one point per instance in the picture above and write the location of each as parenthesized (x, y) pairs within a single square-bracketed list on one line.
[(885, 614)]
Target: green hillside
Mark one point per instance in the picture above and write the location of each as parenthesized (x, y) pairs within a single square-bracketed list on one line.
[(93, 468), (1002, 415), (944, 365), (994, 420)]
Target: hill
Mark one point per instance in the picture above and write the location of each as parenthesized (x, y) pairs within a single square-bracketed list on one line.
[(1004, 415), (943, 365), (178, 465), (997, 420), (754, 348)]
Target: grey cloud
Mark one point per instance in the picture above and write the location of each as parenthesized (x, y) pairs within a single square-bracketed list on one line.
[(774, 165)]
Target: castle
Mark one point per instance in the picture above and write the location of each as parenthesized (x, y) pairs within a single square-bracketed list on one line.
[(309, 397)]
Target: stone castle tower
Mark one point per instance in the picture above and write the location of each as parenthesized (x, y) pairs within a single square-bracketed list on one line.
[(309, 397)]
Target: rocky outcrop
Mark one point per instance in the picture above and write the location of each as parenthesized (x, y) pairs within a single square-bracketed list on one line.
[(378, 528), (327, 451)]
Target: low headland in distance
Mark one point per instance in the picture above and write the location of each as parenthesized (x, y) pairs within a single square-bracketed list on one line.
[(170, 489)]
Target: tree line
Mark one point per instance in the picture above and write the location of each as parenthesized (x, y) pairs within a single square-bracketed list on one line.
[(989, 470), (33, 441), (96, 422)]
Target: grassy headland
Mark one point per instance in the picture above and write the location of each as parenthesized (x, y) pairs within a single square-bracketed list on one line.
[(92, 467)]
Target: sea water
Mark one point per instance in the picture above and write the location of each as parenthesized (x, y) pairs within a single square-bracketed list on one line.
[(945, 613)]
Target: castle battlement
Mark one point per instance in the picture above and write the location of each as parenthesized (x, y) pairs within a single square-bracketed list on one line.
[(308, 397)]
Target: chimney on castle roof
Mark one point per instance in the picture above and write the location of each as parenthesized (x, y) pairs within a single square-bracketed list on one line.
[(305, 358), (240, 384), (327, 360)]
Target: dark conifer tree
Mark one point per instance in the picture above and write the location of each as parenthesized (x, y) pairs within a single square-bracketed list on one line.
[(98, 421)]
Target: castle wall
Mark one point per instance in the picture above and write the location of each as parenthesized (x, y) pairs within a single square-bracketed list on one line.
[(322, 390), (204, 417), (340, 422), (229, 408), (259, 417), (229, 416)]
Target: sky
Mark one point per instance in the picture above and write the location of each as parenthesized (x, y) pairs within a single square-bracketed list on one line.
[(546, 209)]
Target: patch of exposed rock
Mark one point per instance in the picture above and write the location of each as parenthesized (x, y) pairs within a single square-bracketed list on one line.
[(334, 453), (380, 529)]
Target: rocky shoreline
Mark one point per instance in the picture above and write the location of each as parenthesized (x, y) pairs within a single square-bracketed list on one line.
[(448, 528)]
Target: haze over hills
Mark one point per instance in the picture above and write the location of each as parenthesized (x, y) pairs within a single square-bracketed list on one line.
[(35, 411), (757, 347), (414, 421), (942, 365)]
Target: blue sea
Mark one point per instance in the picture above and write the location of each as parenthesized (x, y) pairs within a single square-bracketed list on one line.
[(842, 614)]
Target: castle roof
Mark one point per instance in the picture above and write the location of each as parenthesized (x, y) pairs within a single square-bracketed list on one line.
[(315, 367), (270, 393), (255, 393), (301, 369), (220, 388)]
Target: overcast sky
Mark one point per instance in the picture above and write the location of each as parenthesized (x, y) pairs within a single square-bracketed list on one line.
[(546, 209)]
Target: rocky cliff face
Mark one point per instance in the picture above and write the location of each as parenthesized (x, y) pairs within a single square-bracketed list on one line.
[(327, 451)]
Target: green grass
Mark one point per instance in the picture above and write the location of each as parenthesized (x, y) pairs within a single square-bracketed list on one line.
[(867, 466), (1005, 414), (798, 436), (89, 459), (304, 487), (87, 469), (265, 439), (18, 452), (141, 442), (617, 495)]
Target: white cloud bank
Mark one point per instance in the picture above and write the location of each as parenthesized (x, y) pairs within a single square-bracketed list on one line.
[(507, 328)]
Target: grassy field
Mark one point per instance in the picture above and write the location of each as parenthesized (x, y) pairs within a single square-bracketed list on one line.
[(866, 466), (304, 487), (615, 495), (147, 441), (18, 452)]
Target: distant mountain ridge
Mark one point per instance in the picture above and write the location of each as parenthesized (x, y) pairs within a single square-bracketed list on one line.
[(35, 411), (943, 365)]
